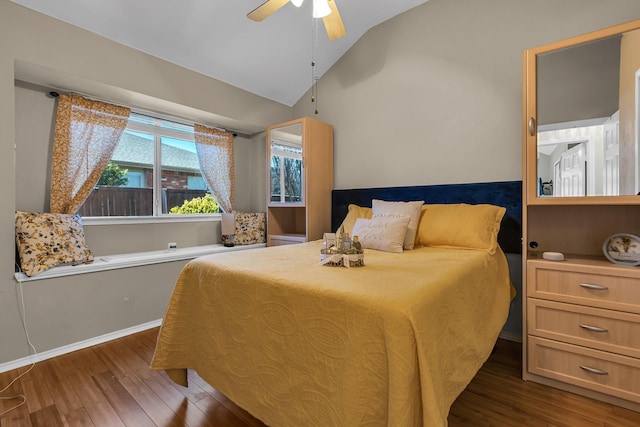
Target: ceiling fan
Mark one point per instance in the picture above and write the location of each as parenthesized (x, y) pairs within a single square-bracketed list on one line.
[(325, 9)]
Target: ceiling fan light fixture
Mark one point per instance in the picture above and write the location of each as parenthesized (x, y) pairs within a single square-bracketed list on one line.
[(297, 3), (320, 8)]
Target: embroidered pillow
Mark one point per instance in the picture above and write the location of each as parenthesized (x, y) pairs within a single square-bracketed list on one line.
[(461, 226), (384, 233), (412, 209), (47, 240)]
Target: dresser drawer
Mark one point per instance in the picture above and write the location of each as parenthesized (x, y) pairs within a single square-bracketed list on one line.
[(607, 330), (559, 282), (592, 369)]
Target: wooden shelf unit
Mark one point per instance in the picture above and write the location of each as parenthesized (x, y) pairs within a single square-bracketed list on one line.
[(581, 316), (305, 220)]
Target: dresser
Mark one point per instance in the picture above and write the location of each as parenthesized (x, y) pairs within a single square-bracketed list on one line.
[(581, 314), (583, 325)]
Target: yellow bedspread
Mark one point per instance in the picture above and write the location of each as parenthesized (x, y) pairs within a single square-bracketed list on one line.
[(297, 344)]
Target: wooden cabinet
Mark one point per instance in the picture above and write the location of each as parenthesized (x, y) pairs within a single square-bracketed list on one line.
[(581, 325), (299, 181)]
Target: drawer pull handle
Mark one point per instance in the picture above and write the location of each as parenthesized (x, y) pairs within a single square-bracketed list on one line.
[(595, 287), (593, 328), (594, 370)]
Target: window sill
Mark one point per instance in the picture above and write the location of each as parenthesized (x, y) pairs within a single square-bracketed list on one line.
[(112, 262), (125, 220)]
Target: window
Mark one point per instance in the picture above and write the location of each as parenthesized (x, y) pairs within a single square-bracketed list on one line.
[(154, 171), (196, 183), (286, 172), (133, 179)]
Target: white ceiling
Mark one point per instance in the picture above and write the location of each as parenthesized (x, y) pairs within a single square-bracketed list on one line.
[(271, 58)]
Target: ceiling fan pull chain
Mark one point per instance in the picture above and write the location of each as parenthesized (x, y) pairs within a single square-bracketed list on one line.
[(313, 97), (314, 76)]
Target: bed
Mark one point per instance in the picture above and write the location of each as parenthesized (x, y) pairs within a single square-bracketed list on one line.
[(392, 343)]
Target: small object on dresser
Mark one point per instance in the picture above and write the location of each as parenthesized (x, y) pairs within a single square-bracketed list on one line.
[(622, 248), (553, 256)]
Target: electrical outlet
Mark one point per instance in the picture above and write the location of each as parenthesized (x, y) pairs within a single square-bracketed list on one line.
[(172, 246)]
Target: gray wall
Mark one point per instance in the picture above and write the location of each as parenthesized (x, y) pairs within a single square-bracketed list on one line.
[(418, 100), (434, 96), (35, 118), (44, 52)]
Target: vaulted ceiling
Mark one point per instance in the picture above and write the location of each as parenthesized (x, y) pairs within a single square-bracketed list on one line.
[(271, 58)]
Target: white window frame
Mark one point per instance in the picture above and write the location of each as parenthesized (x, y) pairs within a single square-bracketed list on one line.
[(158, 132), (294, 152)]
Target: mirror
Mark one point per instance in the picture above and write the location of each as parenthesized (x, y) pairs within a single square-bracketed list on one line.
[(286, 183), (586, 105)]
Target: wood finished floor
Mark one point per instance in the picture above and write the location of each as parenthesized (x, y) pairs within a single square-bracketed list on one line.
[(111, 385)]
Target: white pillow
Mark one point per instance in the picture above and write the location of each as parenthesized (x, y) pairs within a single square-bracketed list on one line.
[(385, 233), (412, 209)]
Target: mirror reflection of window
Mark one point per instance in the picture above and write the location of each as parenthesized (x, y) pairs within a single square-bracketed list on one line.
[(292, 179), (286, 172), (276, 178)]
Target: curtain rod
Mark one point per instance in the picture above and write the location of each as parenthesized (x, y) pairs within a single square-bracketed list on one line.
[(55, 94)]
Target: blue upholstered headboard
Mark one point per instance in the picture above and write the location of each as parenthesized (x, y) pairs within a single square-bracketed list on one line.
[(507, 194)]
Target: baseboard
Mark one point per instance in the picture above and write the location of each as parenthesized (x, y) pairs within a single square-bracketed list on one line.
[(38, 357), (510, 336)]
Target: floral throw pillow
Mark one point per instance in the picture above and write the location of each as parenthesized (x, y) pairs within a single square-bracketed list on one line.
[(46, 240), (250, 228)]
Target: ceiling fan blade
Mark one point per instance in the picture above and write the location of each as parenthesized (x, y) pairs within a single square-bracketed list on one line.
[(333, 22), (265, 10)]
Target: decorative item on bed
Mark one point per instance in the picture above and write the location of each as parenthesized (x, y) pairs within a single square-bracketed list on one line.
[(393, 343), (341, 250)]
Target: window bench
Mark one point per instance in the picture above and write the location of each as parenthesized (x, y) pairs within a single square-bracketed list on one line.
[(111, 262)]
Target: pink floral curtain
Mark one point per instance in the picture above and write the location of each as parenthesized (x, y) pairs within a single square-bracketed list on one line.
[(86, 135), (215, 154)]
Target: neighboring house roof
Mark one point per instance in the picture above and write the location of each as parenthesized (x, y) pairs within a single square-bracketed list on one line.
[(134, 151)]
